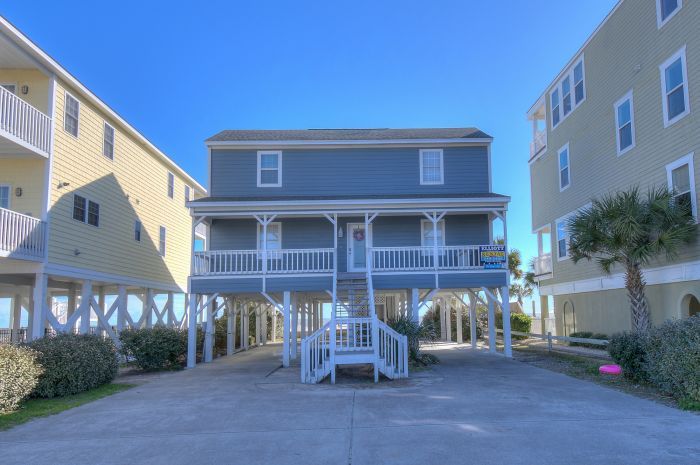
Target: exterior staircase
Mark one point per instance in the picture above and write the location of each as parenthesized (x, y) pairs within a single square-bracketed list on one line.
[(353, 336)]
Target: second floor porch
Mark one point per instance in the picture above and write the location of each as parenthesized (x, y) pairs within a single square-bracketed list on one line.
[(21, 236)]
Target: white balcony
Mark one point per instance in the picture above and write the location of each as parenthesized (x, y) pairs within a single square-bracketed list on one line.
[(253, 262), (543, 265), (539, 143), (21, 236), (400, 259), (23, 128)]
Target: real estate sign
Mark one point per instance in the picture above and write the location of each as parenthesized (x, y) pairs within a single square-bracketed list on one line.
[(492, 256)]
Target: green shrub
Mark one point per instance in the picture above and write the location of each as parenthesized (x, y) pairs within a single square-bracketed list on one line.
[(19, 375), (588, 335), (74, 363), (673, 358), (155, 348), (415, 332), (628, 350), (518, 322)]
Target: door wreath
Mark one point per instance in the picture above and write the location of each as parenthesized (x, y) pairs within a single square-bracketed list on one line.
[(358, 235)]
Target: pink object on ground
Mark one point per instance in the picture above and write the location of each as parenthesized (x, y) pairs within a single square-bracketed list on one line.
[(610, 369)]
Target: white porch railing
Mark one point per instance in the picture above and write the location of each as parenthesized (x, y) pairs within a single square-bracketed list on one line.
[(253, 262), (21, 236), (539, 142), (24, 122), (393, 352), (543, 264), (353, 334), (462, 257), (316, 355)]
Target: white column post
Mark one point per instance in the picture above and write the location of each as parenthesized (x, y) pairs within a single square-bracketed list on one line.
[(287, 304), (234, 332), (85, 306), (295, 326), (492, 324), (273, 322), (39, 305), (460, 322), (122, 307), (148, 308), (101, 299), (448, 317), (303, 309), (245, 322), (170, 315), (265, 313), (229, 326), (472, 320), (71, 301), (16, 318), (192, 332), (443, 322), (209, 332), (414, 305), (507, 348), (258, 324)]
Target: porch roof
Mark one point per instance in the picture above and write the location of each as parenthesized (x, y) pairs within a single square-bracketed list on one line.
[(360, 197)]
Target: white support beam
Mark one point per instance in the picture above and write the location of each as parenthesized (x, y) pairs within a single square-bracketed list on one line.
[(230, 326), (85, 310), (287, 303), (209, 331), (122, 308), (415, 305), (472, 320), (460, 322), (505, 306), (295, 326), (192, 332), (492, 324)]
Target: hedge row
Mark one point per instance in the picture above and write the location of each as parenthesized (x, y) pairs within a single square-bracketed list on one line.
[(157, 348), (668, 357)]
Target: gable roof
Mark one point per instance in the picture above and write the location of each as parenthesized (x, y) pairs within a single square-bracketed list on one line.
[(349, 135)]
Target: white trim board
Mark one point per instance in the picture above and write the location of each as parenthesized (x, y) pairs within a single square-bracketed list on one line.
[(350, 143), (97, 276), (689, 271)]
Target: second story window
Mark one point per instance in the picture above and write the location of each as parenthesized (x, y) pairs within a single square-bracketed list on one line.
[(161, 241), (431, 166), (108, 142), (86, 211), (187, 194), (674, 87), (624, 119), (555, 108), (666, 9), (5, 197), (137, 231), (270, 168), (427, 233), (274, 236), (71, 116), (564, 170), (171, 185), (562, 239), (681, 179), (568, 93)]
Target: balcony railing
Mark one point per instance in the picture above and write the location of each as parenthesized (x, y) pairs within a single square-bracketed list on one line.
[(543, 264), (22, 121), (21, 236), (258, 262), (538, 143), (461, 257)]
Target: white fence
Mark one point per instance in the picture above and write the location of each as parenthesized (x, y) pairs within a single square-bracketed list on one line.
[(538, 143), (461, 257), (353, 334), (393, 352), (21, 235), (23, 121), (315, 355), (253, 262)]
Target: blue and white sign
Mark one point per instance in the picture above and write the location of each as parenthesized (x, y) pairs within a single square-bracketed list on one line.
[(493, 257)]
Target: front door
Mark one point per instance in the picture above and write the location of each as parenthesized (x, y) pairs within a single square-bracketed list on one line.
[(357, 247)]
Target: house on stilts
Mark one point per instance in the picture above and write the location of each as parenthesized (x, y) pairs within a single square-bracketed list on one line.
[(370, 222)]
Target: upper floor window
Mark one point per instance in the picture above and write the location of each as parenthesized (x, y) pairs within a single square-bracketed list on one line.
[(161, 241), (171, 185), (270, 168), (681, 179), (71, 115), (624, 122), (431, 167), (4, 196), (674, 88), (86, 211), (571, 90), (108, 142), (666, 9), (137, 231), (562, 239), (427, 233), (187, 194), (274, 236), (564, 170)]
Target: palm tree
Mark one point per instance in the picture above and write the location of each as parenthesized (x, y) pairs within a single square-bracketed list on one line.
[(631, 230)]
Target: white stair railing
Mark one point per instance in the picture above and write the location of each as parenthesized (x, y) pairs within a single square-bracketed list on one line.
[(24, 122), (316, 355), (393, 352), (353, 334), (21, 235)]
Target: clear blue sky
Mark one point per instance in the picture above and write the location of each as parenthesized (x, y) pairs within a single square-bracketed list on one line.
[(180, 75)]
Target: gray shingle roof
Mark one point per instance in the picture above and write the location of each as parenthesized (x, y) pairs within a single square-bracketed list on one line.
[(346, 134), (277, 198)]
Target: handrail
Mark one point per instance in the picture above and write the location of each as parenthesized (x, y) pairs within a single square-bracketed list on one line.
[(24, 122), (316, 355), (260, 262), (392, 351), (354, 334), (421, 258), (22, 235)]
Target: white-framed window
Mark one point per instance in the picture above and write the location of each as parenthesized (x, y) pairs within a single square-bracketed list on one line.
[(137, 231), (562, 238), (681, 179), (665, 10), (568, 93), (10, 87), (274, 236), (171, 185), (674, 88), (161, 241), (5, 196), (86, 211), (269, 168), (624, 123), (108, 141), (187, 194), (431, 166), (426, 236), (71, 115), (564, 168)]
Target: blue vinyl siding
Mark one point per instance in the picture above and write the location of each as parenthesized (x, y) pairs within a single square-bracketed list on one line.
[(445, 280), (372, 171)]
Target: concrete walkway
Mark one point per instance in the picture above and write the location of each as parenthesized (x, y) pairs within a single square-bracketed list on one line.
[(473, 408)]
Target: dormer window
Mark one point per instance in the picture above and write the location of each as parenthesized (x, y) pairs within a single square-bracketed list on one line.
[(270, 168), (431, 166), (568, 93)]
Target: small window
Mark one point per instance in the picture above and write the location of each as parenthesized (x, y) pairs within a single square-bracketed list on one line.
[(161, 241), (431, 166), (674, 88), (427, 236), (274, 236), (12, 88), (108, 142), (562, 240), (5, 197), (566, 95), (624, 119), (71, 115), (269, 169), (187, 194), (666, 9), (86, 211), (555, 108), (171, 185), (579, 88), (564, 170), (93, 216), (137, 231), (681, 179)]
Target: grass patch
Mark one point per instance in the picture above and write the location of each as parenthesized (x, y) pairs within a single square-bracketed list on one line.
[(37, 408)]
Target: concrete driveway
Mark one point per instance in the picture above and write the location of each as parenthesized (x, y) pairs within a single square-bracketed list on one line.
[(473, 408)]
